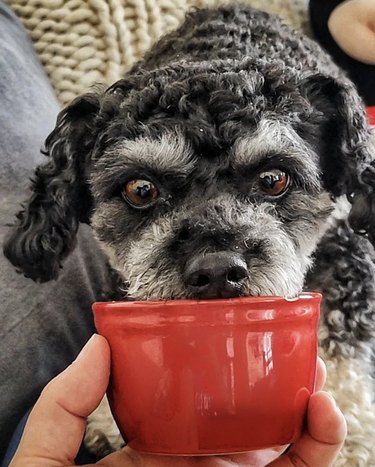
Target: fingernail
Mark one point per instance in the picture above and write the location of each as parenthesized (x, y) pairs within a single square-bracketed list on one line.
[(86, 347)]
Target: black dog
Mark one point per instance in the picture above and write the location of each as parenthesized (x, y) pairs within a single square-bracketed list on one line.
[(235, 159)]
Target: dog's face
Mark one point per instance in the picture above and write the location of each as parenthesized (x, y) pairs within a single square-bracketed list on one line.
[(215, 185), (244, 221)]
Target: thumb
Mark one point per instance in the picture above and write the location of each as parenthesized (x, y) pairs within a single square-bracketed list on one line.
[(325, 435), (56, 425)]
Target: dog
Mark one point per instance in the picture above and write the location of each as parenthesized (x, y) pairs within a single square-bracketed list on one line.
[(235, 159)]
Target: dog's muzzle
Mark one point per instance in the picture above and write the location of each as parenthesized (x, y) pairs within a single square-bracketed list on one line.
[(216, 275)]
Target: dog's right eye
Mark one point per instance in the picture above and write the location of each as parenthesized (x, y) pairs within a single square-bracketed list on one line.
[(140, 193), (274, 182)]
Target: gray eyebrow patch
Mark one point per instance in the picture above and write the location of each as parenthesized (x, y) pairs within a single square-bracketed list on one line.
[(168, 153), (274, 137)]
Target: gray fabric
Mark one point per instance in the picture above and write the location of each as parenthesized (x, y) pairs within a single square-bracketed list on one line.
[(42, 327)]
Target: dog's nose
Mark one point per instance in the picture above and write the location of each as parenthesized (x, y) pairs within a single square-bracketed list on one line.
[(216, 275)]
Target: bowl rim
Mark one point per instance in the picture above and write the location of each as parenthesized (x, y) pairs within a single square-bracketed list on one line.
[(244, 310), (268, 299)]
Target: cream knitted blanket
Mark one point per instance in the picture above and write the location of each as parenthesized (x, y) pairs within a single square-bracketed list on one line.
[(82, 42)]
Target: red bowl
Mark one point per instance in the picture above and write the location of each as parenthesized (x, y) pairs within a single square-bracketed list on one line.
[(207, 377)]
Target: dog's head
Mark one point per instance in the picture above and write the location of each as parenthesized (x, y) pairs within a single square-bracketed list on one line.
[(201, 182)]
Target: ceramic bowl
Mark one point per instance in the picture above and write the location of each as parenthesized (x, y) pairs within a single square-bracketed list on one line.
[(212, 376)]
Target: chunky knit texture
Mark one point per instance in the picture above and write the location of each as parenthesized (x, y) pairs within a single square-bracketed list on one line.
[(83, 42)]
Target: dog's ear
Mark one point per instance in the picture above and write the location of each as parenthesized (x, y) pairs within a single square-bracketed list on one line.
[(46, 228), (346, 147)]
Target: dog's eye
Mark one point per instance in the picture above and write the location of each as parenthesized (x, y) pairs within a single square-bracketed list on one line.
[(140, 193), (274, 182)]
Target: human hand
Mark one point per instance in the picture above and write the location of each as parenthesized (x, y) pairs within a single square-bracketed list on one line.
[(56, 425)]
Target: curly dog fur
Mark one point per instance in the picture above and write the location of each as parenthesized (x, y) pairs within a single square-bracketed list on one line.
[(209, 114)]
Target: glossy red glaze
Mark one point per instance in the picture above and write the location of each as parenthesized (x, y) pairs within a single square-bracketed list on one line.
[(371, 115), (214, 376)]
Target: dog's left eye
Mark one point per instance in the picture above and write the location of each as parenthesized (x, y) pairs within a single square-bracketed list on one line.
[(274, 182), (140, 193)]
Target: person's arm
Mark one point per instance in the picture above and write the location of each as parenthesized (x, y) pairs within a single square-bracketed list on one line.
[(352, 26)]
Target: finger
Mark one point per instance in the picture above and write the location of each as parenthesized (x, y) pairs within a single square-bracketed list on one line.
[(321, 444), (265, 456), (56, 425), (127, 457), (321, 374)]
